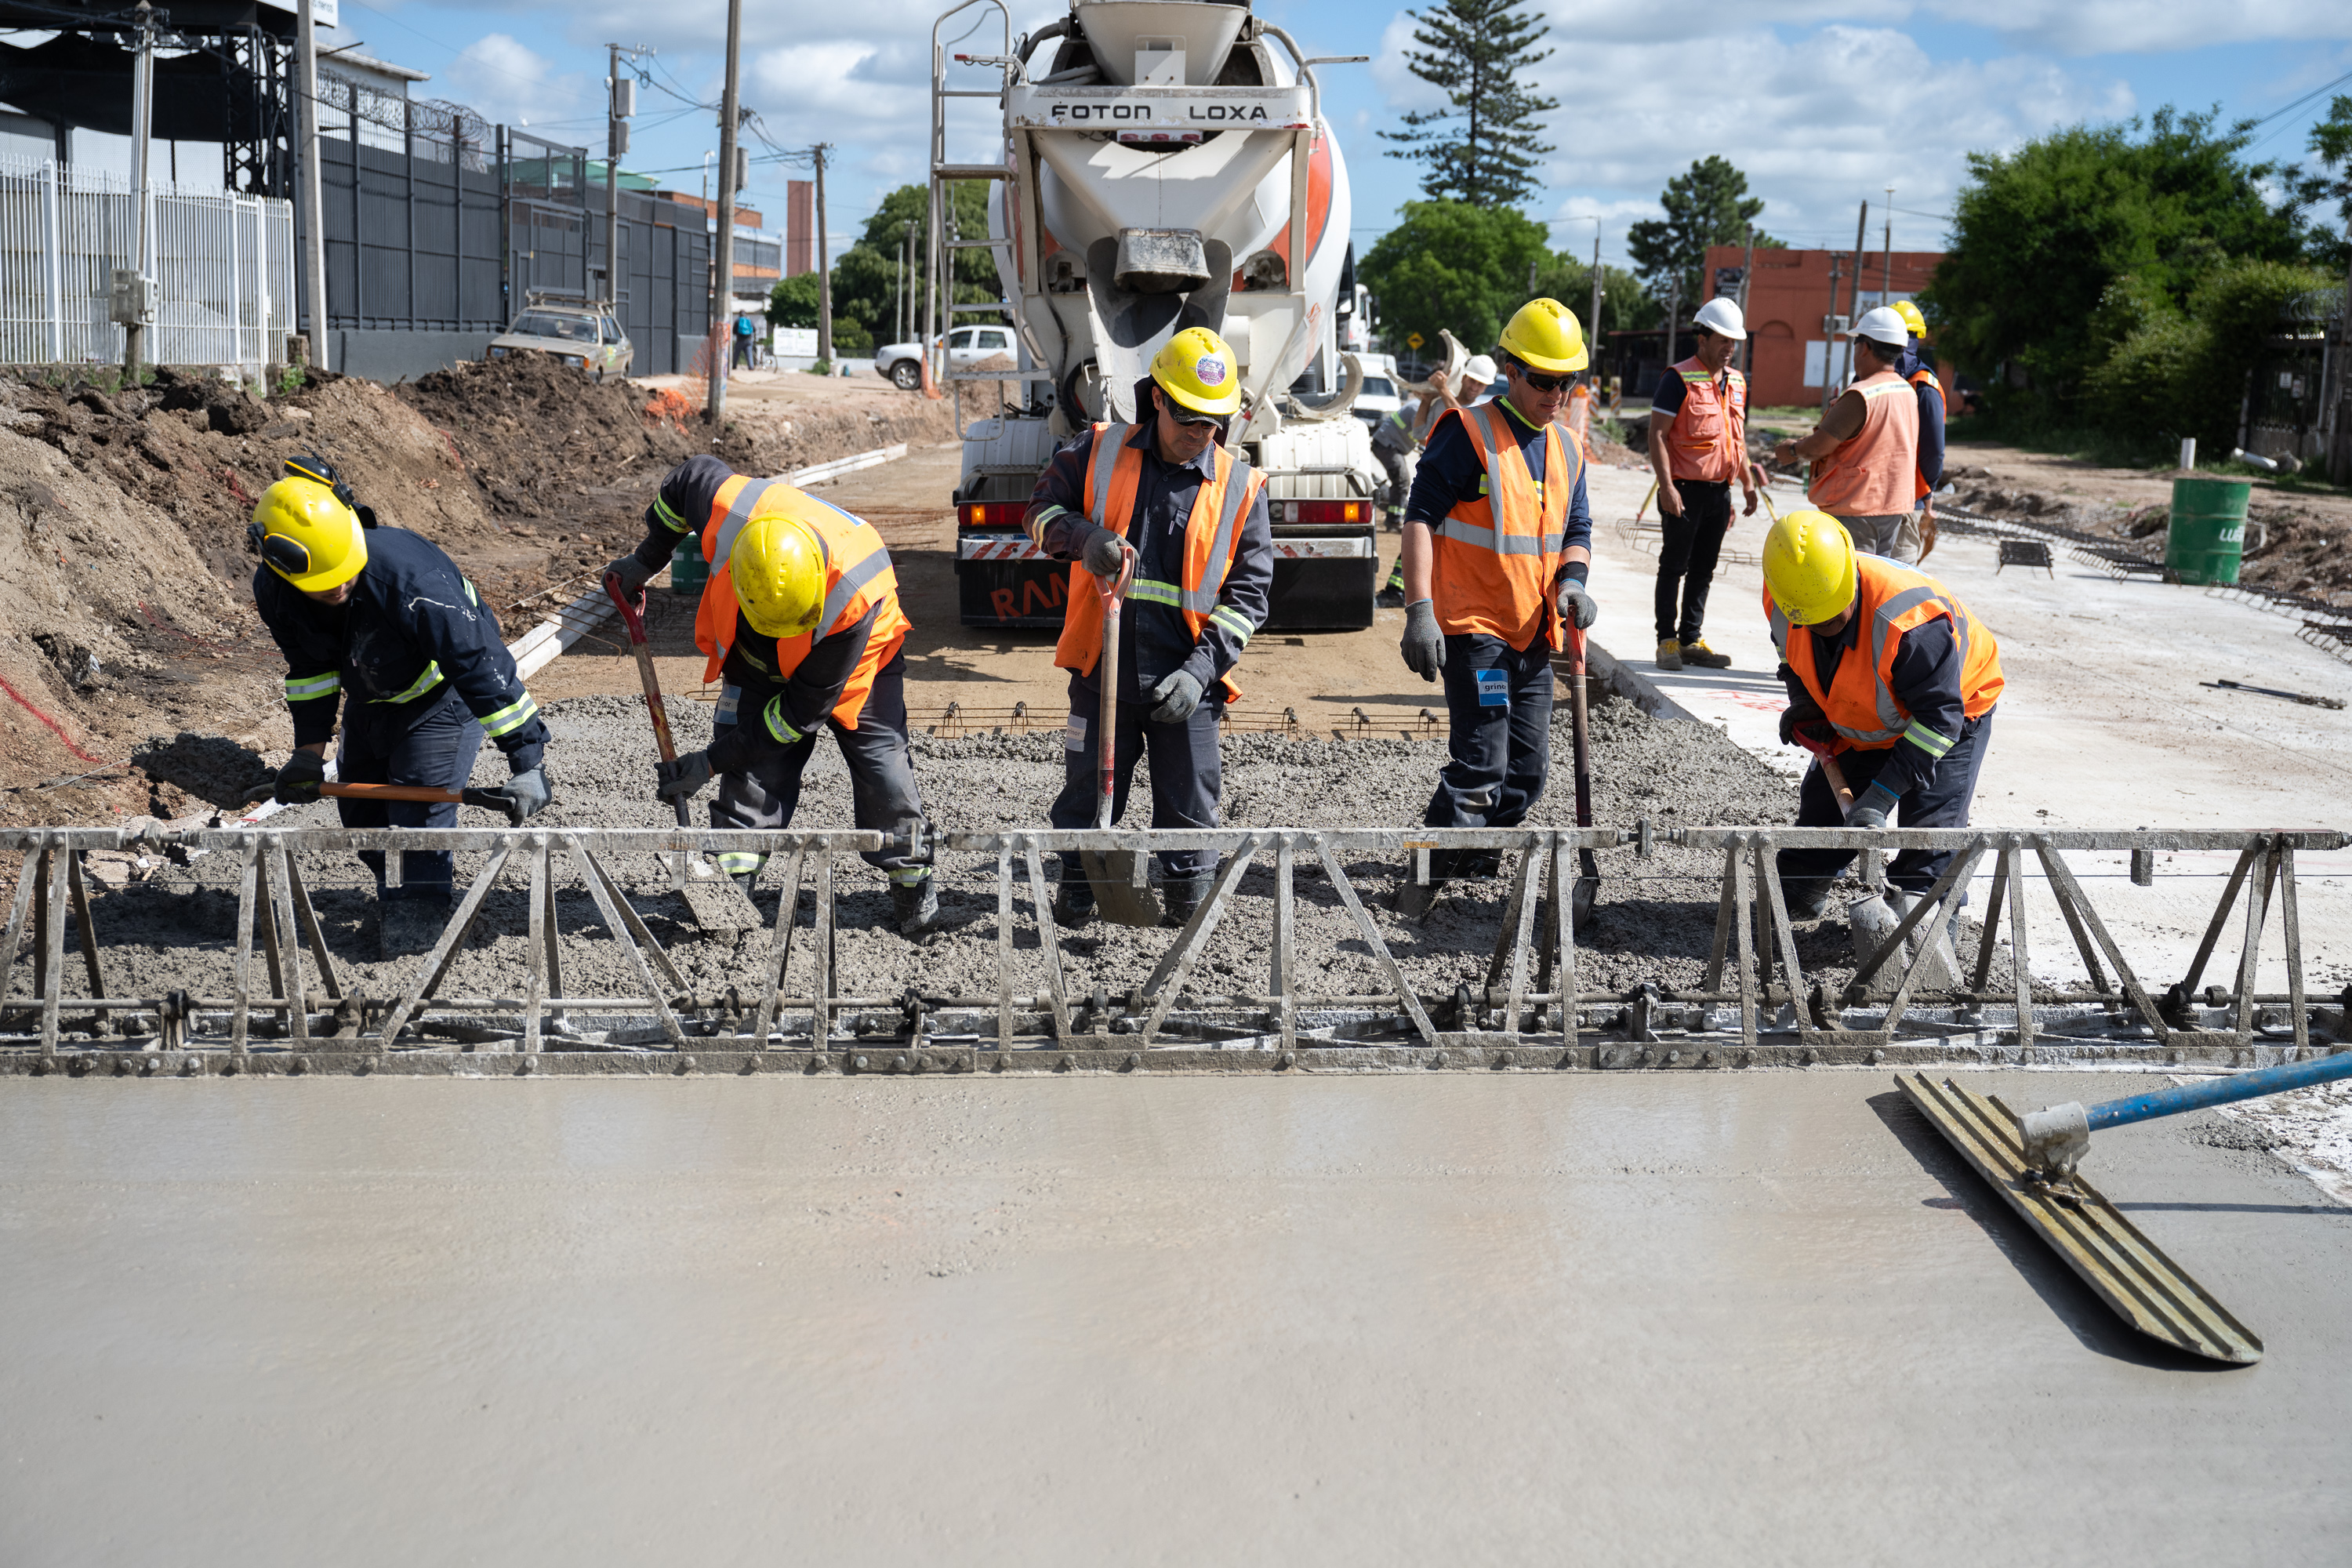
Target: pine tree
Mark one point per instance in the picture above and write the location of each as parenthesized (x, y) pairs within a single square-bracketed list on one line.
[(1484, 148), (1708, 205)]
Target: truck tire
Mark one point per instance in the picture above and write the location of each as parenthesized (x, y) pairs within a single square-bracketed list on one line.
[(907, 375)]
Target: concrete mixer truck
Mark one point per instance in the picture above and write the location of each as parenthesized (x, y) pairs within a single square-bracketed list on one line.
[(1157, 164)]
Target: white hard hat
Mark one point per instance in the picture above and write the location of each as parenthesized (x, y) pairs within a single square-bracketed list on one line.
[(1881, 324), (1480, 368), (1721, 317)]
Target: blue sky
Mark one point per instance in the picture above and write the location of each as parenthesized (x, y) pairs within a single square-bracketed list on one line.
[(1821, 102)]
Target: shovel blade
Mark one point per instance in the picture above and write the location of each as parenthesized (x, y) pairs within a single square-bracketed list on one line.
[(1121, 892), (717, 904), (1586, 891)]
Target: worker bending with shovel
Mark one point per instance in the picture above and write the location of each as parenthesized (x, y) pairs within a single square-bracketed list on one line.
[(800, 622), (1496, 552), (381, 623), (1167, 529), (1891, 686)]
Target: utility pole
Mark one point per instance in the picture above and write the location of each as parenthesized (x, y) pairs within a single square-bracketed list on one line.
[(824, 272), (1593, 325), (135, 307), (1886, 275), (723, 264), (1853, 298), (1674, 309), (621, 107), (314, 195), (1829, 330), (1747, 277)]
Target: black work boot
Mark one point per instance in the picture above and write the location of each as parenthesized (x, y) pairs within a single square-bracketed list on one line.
[(916, 907), (745, 880), (1073, 900), (1179, 897), (1808, 897)]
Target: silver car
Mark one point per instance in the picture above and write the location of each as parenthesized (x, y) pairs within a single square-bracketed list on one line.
[(584, 334)]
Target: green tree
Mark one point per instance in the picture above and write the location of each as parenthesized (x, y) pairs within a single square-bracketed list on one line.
[(792, 302), (2040, 235), (1625, 305), (1708, 205), (1484, 147), (2331, 144), (1453, 265), (2171, 370), (867, 279)]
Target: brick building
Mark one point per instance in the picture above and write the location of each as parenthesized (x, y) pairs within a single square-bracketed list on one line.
[(1786, 301)]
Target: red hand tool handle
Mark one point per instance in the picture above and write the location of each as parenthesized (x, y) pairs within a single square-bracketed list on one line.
[(632, 617)]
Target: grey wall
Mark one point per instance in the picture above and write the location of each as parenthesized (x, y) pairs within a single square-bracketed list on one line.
[(385, 355)]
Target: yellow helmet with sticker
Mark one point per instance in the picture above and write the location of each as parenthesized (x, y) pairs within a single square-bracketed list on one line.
[(1197, 370)]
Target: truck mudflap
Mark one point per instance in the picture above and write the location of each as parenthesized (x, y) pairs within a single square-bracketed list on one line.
[(1323, 584), (1320, 584)]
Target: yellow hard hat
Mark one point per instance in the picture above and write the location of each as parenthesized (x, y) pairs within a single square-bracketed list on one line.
[(1911, 317), (1197, 370), (1545, 336), (1809, 566), (778, 569), (308, 532)]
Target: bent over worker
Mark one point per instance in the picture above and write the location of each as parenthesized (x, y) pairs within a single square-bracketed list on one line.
[(800, 621), (1698, 449), (1497, 547), (1170, 497), (381, 623), (1888, 677), (1866, 450)]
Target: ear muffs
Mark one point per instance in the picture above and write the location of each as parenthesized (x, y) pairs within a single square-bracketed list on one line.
[(289, 556), (317, 468)]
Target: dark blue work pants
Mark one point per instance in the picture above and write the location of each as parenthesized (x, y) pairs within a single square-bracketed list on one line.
[(1186, 774), (1942, 802), (1688, 549), (430, 742), (1498, 732)]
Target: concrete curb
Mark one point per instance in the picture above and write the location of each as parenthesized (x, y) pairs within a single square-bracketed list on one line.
[(1615, 678)]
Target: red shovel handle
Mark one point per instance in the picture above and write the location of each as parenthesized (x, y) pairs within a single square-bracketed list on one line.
[(632, 617)]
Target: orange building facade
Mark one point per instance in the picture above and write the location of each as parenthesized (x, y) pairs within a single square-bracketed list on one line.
[(1787, 299)]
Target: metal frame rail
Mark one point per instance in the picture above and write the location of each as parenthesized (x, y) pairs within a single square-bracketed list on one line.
[(1755, 1007)]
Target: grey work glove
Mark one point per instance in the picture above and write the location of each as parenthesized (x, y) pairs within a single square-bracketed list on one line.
[(527, 795), (1873, 807), (1577, 606), (1423, 645), (300, 779), (1104, 553), (1178, 694), (683, 779), (632, 574)]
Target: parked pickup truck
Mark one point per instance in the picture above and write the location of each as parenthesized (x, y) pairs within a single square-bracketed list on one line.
[(967, 346)]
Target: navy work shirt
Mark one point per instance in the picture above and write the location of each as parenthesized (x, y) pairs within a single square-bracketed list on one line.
[(1926, 680)]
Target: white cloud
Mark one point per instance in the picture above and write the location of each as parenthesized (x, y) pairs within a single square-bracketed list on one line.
[(506, 80), (2133, 27)]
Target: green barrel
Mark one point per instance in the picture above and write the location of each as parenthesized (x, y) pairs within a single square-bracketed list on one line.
[(2206, 537), (688, 570)]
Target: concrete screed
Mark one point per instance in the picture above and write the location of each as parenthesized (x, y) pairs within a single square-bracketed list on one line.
[(1759, 1318)]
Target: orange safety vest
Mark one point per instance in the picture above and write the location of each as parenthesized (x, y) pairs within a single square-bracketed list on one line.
[(1708, 437), (1923, 374), (1213, 537), (1873, 470), (1860, 702), (858, 577), (1495, 559)]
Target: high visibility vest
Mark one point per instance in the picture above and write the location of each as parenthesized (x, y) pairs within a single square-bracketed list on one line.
[(1859, 699), (1212, 536), (858, 577), (1872, 471), (1494, 559), (1923, 376), (1708, 437)]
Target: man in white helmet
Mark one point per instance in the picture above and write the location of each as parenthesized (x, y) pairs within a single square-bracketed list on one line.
[(1699, 446), (1866, 450)]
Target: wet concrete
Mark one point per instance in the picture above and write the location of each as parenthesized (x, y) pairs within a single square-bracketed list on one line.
[(1757, 1318)]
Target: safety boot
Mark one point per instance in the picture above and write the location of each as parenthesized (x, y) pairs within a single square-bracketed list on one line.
[(1696, 652), (1808, 897), (1180, 897), (916, 907), (744, 879), (1670, 654), (1074, 902)]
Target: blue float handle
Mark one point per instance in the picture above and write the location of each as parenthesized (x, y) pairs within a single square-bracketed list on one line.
[(2221, 1092)]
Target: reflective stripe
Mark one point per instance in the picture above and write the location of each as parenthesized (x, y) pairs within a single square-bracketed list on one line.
[(778, 726), (1463, 532), (739, 512), (1152, 591), (1036, 521), (1926, 740), (471, 597), (1201, 600), (1116, 437), (837, 603), (513, 716), (911, 876), (669, 519), (735, 862), (1233, 621), (313, 686), (423, 684)]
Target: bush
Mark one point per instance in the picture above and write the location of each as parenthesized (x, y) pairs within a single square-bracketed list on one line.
[(2170, 372)]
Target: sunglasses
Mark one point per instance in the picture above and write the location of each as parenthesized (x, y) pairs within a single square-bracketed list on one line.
[(1200, 421), (1545, 382)]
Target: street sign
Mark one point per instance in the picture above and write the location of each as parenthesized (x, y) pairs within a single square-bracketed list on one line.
[(1412, 340)]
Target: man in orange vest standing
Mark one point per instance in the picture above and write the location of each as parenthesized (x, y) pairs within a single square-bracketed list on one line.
[(1497, 548), (801, 618), (1891, 679), (1866, 451), (1699, 446), (1168, 495)]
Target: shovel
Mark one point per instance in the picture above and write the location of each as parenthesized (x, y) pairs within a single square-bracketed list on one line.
[(714, 900), (488, 799), (1587, 877), (1873, 919), (1121, 888)]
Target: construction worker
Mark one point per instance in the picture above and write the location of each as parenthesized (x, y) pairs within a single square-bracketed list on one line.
[(1890, 678), (1866, 451), (1168, 497), (1477, 375), (800, 621), (379, 621), (1916, 368), (1497, 547), (1698, 447)]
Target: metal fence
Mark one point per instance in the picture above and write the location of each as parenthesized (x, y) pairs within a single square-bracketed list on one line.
[(224, 265)]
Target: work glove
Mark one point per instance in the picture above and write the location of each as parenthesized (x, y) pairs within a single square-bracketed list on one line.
[(1577, 606), (526, 794), (1104, 553), (683, 779), (1804, 724), (1423, 646), (633, 575), (1177, 695), (299, 780), (1873, 807)]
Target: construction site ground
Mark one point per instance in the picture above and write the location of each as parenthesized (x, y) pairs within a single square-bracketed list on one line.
[(1763, 1318)]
